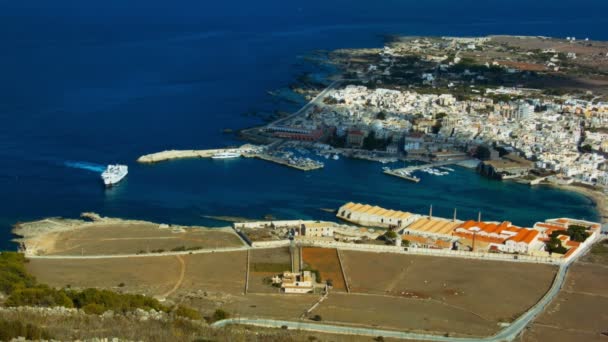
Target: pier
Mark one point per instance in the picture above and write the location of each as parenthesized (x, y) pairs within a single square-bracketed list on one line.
[(282, 161), (396, 174), (246, 151), (410, 169), (187, 154)]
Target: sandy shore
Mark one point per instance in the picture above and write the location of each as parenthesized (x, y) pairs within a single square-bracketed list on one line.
[(597, 196)]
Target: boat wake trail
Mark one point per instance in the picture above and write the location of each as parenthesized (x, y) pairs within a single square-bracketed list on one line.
[(85, 166)]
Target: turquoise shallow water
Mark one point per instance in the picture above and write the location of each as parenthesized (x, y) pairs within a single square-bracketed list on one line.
[(89, 83)]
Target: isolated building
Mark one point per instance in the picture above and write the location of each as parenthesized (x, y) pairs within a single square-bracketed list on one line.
[(297, 282)]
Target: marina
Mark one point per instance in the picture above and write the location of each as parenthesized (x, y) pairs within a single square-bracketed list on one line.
[(271, 153), (436, 169)]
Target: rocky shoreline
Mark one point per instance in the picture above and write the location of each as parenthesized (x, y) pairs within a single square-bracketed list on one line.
[(38, 236)]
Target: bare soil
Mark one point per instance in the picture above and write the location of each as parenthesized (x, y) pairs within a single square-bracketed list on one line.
[(326, 262), (108, 239), (472, 285)]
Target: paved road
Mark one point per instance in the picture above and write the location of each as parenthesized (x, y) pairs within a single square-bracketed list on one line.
[(507, 334), (314, 101)]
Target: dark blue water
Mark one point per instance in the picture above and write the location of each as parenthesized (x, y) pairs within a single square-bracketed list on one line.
[(86, 83)]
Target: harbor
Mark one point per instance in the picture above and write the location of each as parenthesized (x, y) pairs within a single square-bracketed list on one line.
[(438, 168), (272, 153)]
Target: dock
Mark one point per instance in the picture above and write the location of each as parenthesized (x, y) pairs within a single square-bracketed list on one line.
[(410, 169), (428, 165), (188, 154), (246, 151), (396, 174), (281, 161)]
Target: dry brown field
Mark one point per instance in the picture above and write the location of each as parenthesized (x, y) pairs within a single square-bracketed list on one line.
[(162, 276), (218, 272), (149, 275), (471, 285), (326, 262), (579, 312), (271, 256), (278, 306), (403, 314), (123, 238)]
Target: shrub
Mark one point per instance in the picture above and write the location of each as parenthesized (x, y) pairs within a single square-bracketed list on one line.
[(40, 295), (219, 315), (186, 312), (94, 309), (12, 272), (116, 302)]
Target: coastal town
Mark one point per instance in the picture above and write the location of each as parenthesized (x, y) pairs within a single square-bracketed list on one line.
[(528, 109), (469, 101)]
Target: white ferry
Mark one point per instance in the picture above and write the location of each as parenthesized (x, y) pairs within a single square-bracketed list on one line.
[(114, 174), (226, 155)]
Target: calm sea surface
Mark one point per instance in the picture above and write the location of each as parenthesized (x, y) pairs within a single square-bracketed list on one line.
[(86, 83)]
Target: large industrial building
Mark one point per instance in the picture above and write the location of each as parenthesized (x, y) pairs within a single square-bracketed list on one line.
[(367, 215)]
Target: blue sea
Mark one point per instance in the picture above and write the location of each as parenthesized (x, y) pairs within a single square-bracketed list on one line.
[(87, 83)]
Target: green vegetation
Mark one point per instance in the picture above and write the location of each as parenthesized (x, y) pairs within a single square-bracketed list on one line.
[(218, 315), (186, 312), (94, 300), (586, 148), (184, 248), (555, 246), (14, 329), (390, 234), (575, 232), (270, 267), (482, 153), (39, 295), (13, 274)]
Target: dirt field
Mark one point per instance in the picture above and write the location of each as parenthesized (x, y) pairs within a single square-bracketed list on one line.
[(133, 238), (403, 314), (150, 276), (470, 285), (266, 263), (162, 276), (326, 262), (278, 306), (579, 311)]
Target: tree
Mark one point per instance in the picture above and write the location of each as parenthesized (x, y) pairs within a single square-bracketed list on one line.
[(317, 318), (390, 234), (482, 153), (586, 148), (381, 116)]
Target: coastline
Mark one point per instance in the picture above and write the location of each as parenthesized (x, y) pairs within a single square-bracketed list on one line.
[(42, 237), (597, 197)]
